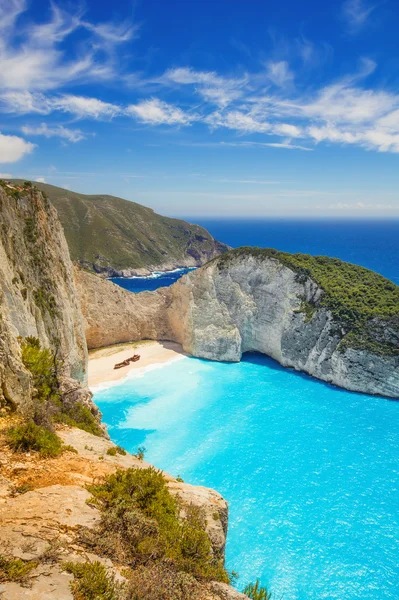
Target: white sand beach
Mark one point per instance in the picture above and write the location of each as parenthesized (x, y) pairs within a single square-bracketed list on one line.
[(103, 360)]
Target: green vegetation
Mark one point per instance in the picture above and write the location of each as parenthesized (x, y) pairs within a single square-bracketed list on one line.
[(15, 569), (140, 518), (78, 415), (116, 450), (353, 294), (141, 450), (92, 582), (29, 436), (256, 592), (49, 406), (105, 232)]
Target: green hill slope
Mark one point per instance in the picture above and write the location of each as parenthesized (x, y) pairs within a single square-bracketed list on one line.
[(113, 236)]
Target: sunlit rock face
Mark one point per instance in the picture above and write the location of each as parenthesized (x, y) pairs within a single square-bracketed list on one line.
[(37, 294), (249, 304)]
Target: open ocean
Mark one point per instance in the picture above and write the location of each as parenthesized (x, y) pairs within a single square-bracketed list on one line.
[(310, 471)]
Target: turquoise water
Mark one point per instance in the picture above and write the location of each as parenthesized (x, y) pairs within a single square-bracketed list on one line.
[(311, 472)]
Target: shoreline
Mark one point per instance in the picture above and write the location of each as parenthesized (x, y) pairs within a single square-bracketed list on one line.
[(153, 274), (153, 354)]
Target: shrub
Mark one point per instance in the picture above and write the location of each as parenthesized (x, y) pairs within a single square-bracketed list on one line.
[(78, 415), (15, 569), (29, 436), (141, 518), (162, 582), (92, 582), (141, 450), (114, 450), (48, 403), (256, 592)]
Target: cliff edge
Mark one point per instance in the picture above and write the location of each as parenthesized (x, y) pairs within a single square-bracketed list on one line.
[(333, 320)]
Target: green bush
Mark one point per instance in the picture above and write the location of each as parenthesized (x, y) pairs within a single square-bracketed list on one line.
[(78, 415), (48, 403), (111, 451), (141, 518), (15, 569), (256, 592), (92, 582), (162, 582), (31, 437)]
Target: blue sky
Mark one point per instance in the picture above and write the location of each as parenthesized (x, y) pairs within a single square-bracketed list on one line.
[(206, 107)]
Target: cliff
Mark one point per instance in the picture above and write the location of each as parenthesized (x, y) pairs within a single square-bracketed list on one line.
[(115, 237), (335, 321), (37, 295), (143, 536), (49, 521)]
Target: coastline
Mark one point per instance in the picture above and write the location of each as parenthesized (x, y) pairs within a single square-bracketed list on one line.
[(153, 354)]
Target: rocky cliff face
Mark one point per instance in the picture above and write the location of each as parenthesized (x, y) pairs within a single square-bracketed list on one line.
[(250, 304), (37, 293)]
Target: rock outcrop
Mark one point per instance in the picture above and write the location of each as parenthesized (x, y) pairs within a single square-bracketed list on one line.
[(43, 525), (37, 293), (250, 302)]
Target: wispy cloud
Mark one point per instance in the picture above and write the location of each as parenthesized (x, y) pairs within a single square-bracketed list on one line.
[(71, 135), (13, 148), (157, 112), (356, 14), (33, 57)]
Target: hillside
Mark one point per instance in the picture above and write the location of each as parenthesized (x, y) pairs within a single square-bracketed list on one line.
[(112, 236)]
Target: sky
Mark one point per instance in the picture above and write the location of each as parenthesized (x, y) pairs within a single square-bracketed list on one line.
[(224, 108)]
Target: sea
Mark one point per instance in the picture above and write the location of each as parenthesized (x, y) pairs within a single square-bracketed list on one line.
[(371, 244), (310, 471)]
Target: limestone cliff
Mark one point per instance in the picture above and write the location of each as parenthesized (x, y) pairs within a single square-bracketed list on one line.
[(250, 300), (37, 294)]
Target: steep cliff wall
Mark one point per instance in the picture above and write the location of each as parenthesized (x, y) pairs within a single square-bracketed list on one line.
[(266, 302), (37, 294)]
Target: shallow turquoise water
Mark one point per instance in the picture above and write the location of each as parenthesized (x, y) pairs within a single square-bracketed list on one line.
[(311, 472)]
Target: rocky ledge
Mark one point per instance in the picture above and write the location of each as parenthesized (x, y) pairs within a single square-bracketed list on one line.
[(45, 507)]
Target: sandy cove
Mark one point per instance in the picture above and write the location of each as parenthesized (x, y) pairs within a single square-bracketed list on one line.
[(103, 360)]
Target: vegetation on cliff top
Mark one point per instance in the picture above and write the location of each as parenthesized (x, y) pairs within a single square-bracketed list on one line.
[(355, 295), (108, 233), (142, 520)]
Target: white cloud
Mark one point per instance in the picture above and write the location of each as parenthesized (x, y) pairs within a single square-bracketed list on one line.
[(279, 73), (211, 87), (86, 107), (13, 148), (5, 176), (356, 14), (157, 112), (40, 180), (39, 61), (239, 121), (71, 135)]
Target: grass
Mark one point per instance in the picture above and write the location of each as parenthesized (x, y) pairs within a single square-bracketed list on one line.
[(92, 582), (31, 437), (142, 520), (357, 297), (15, 569)]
